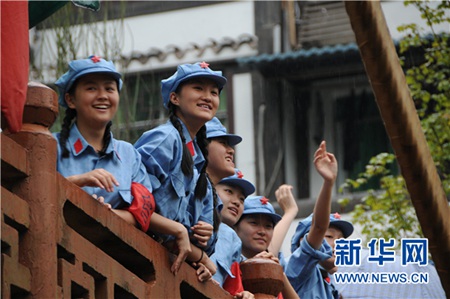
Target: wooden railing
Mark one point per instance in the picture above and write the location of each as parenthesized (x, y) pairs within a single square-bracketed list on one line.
[(57, 242)]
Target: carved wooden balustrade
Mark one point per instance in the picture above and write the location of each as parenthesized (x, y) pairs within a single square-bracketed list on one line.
[(57, 242)]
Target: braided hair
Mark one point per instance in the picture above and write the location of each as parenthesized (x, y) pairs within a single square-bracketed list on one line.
[(69, 117), (202, 183), (216, 215), (200, 189), (106, 139), (187, 164)]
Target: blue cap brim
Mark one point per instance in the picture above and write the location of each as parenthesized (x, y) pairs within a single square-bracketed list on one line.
[(247, 187), (275, 217), (187, 72), (345, 226), (304, 226), (231, 138), (221, 81), (90, 70)]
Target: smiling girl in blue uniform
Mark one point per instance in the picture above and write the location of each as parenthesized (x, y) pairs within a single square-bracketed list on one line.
[(233, 191), (255, 228), (175, 155), (109, 169)]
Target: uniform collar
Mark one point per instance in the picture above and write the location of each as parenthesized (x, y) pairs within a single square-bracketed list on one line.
[(189, 141), (78, 144)]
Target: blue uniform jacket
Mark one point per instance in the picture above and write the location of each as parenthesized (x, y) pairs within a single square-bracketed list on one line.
[(161, 149), (121, 159), (228, 251), (302, 270), (203, 210)]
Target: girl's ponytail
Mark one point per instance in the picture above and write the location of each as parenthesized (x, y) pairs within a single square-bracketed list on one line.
[(202, 182), (187, 164), (216, 216), (65, 131), (106, 138)]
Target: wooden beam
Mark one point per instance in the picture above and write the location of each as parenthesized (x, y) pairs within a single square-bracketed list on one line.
[(403, 127)]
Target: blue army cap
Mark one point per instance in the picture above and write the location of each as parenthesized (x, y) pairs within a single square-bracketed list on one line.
[(81, 67), (214, 129), (237, 179), (189, 71), (260, 205), (304, 226)]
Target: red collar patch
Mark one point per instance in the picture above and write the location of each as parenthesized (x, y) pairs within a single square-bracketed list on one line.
[(78, 146), (190, 146)]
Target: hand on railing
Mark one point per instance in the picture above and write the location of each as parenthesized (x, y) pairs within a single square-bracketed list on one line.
[(95, 178), (184, 248), (203, 273), (209, 264), (124, 214), (204, 260), (101, 200)]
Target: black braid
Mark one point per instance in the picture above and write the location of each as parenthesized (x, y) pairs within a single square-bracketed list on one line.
[(106, 139), (70, 115), (187, 164), (216, 216), (202, 183)]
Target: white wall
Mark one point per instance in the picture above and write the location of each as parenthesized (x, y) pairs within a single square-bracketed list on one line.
[(243, 125), (183, 29), (190, 26)]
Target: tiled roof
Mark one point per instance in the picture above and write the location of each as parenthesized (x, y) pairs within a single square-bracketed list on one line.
[(318, 52), (300, 54), (216, 45)]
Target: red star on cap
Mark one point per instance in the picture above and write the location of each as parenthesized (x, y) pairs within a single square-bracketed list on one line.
[(336, 215), (204, 65), (239, 174), (95, 58), (264, 200)]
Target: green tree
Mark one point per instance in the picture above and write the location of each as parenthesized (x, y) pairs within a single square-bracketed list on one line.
[(387, 212)]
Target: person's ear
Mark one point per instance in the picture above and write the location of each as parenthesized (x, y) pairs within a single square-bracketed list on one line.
[(69, 100), (173, 98)]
